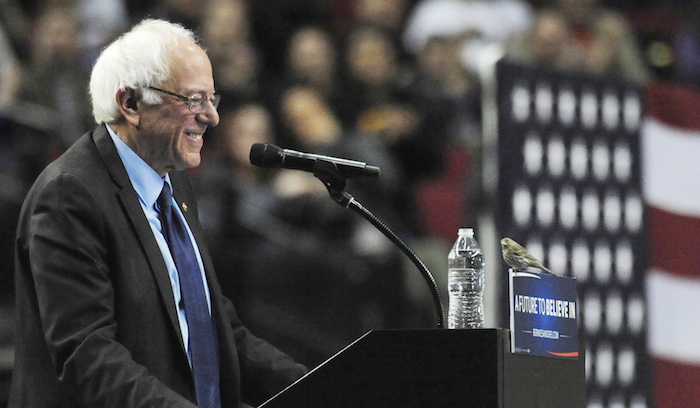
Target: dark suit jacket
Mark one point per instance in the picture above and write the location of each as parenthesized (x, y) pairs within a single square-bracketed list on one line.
[(96, 320)]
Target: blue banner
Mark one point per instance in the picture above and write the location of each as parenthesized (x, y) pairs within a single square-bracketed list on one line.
[(543, 315)]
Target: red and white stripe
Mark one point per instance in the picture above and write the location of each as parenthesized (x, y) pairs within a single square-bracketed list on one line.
[(671, 177)]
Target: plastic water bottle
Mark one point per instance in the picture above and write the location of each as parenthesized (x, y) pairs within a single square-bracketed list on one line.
[(465, 282)]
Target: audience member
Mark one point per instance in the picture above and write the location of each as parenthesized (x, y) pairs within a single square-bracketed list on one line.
[(226, 33), (27, 145), (452, 93), (389, 15), (377, 100), (56, 78), (311, 60), (225, 22), (605, 39), (311, 125), (99, 22), (234, 195), (480, 24), (549, 44), (450, 89), (274, 21)]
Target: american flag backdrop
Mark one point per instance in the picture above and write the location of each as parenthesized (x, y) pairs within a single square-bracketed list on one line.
[(671, 175), (570, 191)]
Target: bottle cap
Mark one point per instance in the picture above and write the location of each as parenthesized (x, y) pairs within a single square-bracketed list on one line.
[(466, 232)]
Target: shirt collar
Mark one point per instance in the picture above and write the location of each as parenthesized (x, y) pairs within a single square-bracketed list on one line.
[(147, 183)]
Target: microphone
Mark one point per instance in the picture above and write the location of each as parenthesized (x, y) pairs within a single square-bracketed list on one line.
[(269, 156)]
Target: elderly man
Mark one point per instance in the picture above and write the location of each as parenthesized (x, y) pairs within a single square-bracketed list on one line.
[(117, 301)]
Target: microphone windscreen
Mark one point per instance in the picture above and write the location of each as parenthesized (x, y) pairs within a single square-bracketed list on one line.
[(265, 155)]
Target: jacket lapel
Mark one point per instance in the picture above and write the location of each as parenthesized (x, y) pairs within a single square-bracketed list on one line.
[(133, 209)]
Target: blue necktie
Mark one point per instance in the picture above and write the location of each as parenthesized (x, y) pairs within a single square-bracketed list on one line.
[(202, 336)]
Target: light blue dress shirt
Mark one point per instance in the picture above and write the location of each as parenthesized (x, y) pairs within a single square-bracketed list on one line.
[(148, 185)]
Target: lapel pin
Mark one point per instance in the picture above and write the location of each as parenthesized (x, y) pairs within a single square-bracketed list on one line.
[(184, 207)]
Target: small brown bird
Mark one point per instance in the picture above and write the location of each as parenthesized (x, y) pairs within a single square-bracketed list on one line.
[(518, 257)]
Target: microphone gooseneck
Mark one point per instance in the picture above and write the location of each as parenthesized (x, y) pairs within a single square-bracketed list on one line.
[(333, 172)]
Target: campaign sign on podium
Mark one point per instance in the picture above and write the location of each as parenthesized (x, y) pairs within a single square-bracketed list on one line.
[(543, 315)]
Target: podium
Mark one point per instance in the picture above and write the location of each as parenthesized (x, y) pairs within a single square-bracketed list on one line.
[(437, 368)]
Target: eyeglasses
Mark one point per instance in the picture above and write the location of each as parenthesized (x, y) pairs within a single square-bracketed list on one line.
[(195, 102)]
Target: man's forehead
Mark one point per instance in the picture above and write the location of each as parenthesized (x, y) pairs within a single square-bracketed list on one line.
[(192, 70)]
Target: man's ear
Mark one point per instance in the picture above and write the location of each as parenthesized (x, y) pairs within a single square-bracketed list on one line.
[(127, 99)]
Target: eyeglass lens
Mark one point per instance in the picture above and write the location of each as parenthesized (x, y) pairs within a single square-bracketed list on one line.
[(197, 102)]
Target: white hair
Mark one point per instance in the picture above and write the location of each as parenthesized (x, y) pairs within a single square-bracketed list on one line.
[(138, 59)]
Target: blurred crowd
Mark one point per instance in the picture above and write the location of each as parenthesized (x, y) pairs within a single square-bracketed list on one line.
[(394, 83)]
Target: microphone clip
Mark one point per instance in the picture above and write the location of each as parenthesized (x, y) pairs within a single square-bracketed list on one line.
[(334, 180)]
